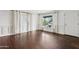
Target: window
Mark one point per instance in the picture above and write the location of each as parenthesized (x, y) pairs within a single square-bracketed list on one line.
[(47, 21)]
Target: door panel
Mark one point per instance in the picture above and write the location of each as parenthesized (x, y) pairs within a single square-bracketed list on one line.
[(23, 22), (71, 27), (55, 28), (16, 21)]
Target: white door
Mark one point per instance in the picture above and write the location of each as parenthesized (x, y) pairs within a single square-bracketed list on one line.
[(29, 22), (23, 22), (70, 26), (55, 27), (16, 22), (77, 24)]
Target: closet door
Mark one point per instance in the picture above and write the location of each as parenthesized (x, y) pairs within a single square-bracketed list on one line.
[(16, 21), (29, 22), (23, 22), (78, 23), (78, 27), (71, 25)]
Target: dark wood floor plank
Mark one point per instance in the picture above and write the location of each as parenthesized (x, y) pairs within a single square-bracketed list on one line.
[(39, 40)]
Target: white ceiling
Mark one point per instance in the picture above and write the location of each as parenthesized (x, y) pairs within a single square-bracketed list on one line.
[(40, 11), (37, 11)]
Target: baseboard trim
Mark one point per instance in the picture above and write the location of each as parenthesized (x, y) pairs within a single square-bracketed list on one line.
[(71, 36), (15, 34), (39, 30), (59, 33)]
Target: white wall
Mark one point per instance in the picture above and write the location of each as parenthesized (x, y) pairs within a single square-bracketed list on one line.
[(5, 22), (61, 22), (9, 22), (34, 21), (65, 22), (68, 22)]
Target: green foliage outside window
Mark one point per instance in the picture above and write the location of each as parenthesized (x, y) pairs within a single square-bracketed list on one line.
[(46, 21)]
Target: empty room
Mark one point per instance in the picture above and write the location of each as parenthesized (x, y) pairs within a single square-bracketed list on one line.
[(39, 29)]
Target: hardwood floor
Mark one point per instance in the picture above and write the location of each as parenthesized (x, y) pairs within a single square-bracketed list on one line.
[(39, 40)]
